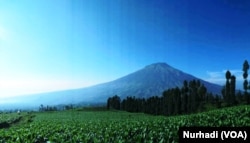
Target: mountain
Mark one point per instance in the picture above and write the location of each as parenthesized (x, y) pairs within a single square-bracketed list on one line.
[(149, 81)]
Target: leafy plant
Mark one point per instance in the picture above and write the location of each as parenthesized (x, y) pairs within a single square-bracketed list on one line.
[(121, 127)]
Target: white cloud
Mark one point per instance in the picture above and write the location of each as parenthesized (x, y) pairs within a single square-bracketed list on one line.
[(218, 77), (214, 74), (235, 71)]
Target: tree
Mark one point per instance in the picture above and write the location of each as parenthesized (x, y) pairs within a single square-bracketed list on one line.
[(177, 101), (245, 83), (239, 97), (184, 98), (192, 102), (41, 108), (218, 101), (194, 99), (108, 103), (227, 90), (170, 102), (223, 92), (165, 101), (202, 91), (114, 102), (232, 90)]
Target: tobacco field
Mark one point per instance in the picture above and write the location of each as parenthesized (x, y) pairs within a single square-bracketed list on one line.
[(113, 126)]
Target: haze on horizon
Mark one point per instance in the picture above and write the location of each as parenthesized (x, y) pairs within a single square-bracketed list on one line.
[(62, 44)]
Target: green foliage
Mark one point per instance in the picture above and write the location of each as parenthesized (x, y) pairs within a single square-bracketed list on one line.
[(188, 99), (8, 117), (117, 126), (114, 102)]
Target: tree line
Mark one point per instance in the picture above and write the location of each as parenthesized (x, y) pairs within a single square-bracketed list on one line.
[(192, 97), (43, 108), (188, 99)]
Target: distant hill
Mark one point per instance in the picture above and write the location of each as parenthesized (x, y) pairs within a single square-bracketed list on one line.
[(149, 81)]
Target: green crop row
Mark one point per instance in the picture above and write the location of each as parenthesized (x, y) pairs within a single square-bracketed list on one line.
[(8, 117), (118, 127)]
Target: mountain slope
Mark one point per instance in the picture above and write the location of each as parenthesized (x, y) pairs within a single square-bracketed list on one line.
[(149, 81)]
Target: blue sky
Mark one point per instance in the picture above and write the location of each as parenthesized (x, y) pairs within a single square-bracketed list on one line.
[(62, 44)]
